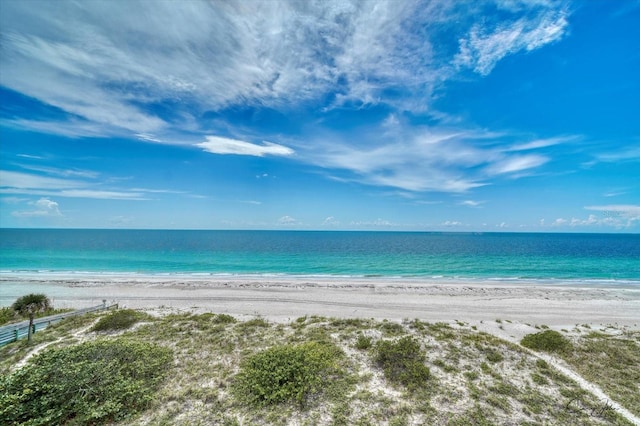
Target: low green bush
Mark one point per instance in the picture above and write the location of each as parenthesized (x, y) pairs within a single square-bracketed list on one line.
[(548, 341), (363, 342), (494, 356), (252, 323), (392, 328), (91, 383), (118, 320), (403, 362), (224, 319), (287, 373), (7, 315)]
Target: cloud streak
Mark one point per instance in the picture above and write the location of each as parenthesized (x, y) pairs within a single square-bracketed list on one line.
[(110, 73), (12, 182), (109, 70), (424, 159), (218, 145), (612, 215), (484, 48)]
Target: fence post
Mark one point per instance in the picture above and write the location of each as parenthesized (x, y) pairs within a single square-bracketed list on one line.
[(17, 333)]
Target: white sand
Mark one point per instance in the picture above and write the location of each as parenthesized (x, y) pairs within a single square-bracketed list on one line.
[(285, 298), (506, 309)]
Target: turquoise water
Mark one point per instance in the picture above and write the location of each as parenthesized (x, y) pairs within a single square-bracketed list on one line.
[(361, 254)]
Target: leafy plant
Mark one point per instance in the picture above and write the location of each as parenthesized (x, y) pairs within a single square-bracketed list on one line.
[(91, 383), (494, 356), (7, 314), (548, 341), (252, 323), (29, 305), (403, 362), (363, 342), (287, 373), (224, 319), (392, 328), (118, 320)]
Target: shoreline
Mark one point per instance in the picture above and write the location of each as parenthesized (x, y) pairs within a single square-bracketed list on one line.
[(284, 298), (168, 277)]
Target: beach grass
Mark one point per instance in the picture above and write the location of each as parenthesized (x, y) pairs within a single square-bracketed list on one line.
[(610, 359), (447, 373)]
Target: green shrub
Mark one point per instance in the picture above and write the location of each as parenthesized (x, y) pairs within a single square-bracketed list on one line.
[(494, 356), (363, 342), (7, 315), (118, 320), (548, 341), (392, 328), (403, 362), (224, 319), (91, 383), (287, 373), (29, 305), (252, 323)]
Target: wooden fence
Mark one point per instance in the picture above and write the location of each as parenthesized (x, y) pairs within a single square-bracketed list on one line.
[(12, 332)]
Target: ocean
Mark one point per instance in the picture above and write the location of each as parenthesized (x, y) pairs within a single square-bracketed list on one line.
[(546, 257)]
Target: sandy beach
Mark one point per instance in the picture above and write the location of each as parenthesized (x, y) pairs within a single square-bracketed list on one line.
[(285, 298), (506, 309)]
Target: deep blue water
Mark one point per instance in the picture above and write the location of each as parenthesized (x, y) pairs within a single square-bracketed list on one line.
[(393, 254)]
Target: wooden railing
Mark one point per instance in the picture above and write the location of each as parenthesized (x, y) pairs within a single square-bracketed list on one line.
[(12, 332)]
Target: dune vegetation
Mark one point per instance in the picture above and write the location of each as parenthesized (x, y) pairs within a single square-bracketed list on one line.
[(190, 369)]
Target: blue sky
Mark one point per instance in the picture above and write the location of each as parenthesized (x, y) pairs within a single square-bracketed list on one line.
[(506, 115)]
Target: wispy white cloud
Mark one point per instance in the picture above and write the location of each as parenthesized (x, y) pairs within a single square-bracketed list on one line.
[(44, 207), (591, 220), (104, 195), (412, 161), (541, 143), (218, 145), (107, 69), (12, 182), (559, 222), (516, 164), (74, 173), (471, 203), (626, 211), (109, 73), (612, 215), (13, 200), (287, 221), (627, 154), (330, 221), (452, 224), (484, 47), (119, 221), (32, 157), (377, 223), (422, 159), (614, 193), (19, 180)]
